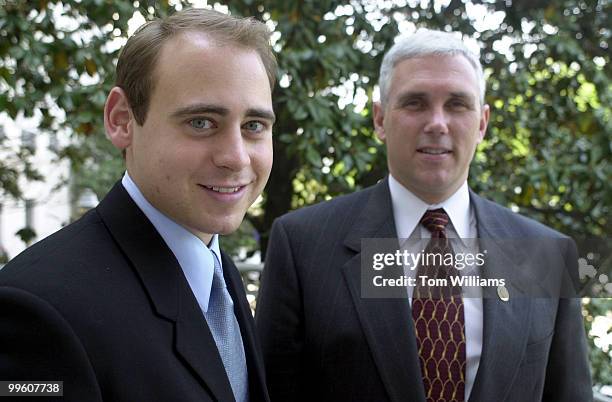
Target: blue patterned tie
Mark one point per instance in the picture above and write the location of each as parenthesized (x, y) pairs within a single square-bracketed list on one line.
[(226, 332)]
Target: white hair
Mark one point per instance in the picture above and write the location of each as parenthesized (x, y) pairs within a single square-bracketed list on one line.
[(426, 42)]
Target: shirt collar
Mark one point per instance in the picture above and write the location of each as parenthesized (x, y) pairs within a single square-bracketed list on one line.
[(193, 255), (408, 209)]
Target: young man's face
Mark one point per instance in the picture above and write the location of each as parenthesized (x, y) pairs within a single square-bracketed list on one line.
[(431, 124), (204, 152)]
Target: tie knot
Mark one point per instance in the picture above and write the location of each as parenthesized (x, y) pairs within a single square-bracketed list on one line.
[(435, 221)]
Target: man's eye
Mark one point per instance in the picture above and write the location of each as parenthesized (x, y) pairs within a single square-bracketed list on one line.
[(412, 104), (458, 105), (255, 126), (200, 124)]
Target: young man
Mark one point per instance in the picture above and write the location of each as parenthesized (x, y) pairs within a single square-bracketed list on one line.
[(135, 301), (324, 340)]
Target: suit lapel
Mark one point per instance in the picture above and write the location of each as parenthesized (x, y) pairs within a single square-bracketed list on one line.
[(387, 323), (257, 388), (167, 288), (505, 323)]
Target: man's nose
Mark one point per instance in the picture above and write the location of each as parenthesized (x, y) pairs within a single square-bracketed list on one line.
[(437, 121), (231, 151)]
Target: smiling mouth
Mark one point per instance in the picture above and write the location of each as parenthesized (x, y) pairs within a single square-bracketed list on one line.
[(223, 189), (433, 151)]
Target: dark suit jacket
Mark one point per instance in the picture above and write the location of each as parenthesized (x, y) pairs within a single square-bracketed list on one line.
[(103, 306), (322, 341)]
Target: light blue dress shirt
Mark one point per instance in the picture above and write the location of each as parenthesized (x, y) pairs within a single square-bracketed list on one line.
[(193, 255)]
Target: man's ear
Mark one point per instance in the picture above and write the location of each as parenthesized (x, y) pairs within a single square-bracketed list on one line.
[(484, 122), (118, 118), (378, 117)]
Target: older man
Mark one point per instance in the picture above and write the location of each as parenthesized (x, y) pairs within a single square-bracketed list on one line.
[(325, 340)]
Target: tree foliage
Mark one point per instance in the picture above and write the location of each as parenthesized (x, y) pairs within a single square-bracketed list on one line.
[(547, 152)]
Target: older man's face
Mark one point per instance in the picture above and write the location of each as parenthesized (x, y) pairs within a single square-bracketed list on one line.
[(431, 123)]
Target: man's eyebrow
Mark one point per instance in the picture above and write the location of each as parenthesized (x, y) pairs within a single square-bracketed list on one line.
[(410, 95), (199, 109), (463, 95), (262, 113), (418, 95), (220, 110)]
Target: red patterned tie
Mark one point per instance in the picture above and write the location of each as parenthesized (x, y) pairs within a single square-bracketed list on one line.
[(439, 320)]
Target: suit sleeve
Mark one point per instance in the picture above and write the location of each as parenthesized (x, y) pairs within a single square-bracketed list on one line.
[(568, 376), (278, 318), (37, 344)]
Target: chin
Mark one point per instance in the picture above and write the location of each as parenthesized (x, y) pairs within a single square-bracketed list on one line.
[(439, 181), (432, 183)]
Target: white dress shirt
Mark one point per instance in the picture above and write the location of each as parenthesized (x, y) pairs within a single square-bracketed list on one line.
[(193, 255), (408, 209)]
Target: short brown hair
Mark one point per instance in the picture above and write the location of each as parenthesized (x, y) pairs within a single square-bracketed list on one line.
[(138, 57)]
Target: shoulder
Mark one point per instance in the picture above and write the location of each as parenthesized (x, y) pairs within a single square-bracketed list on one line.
[(336, 210), (59, 258), (514, 223)]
